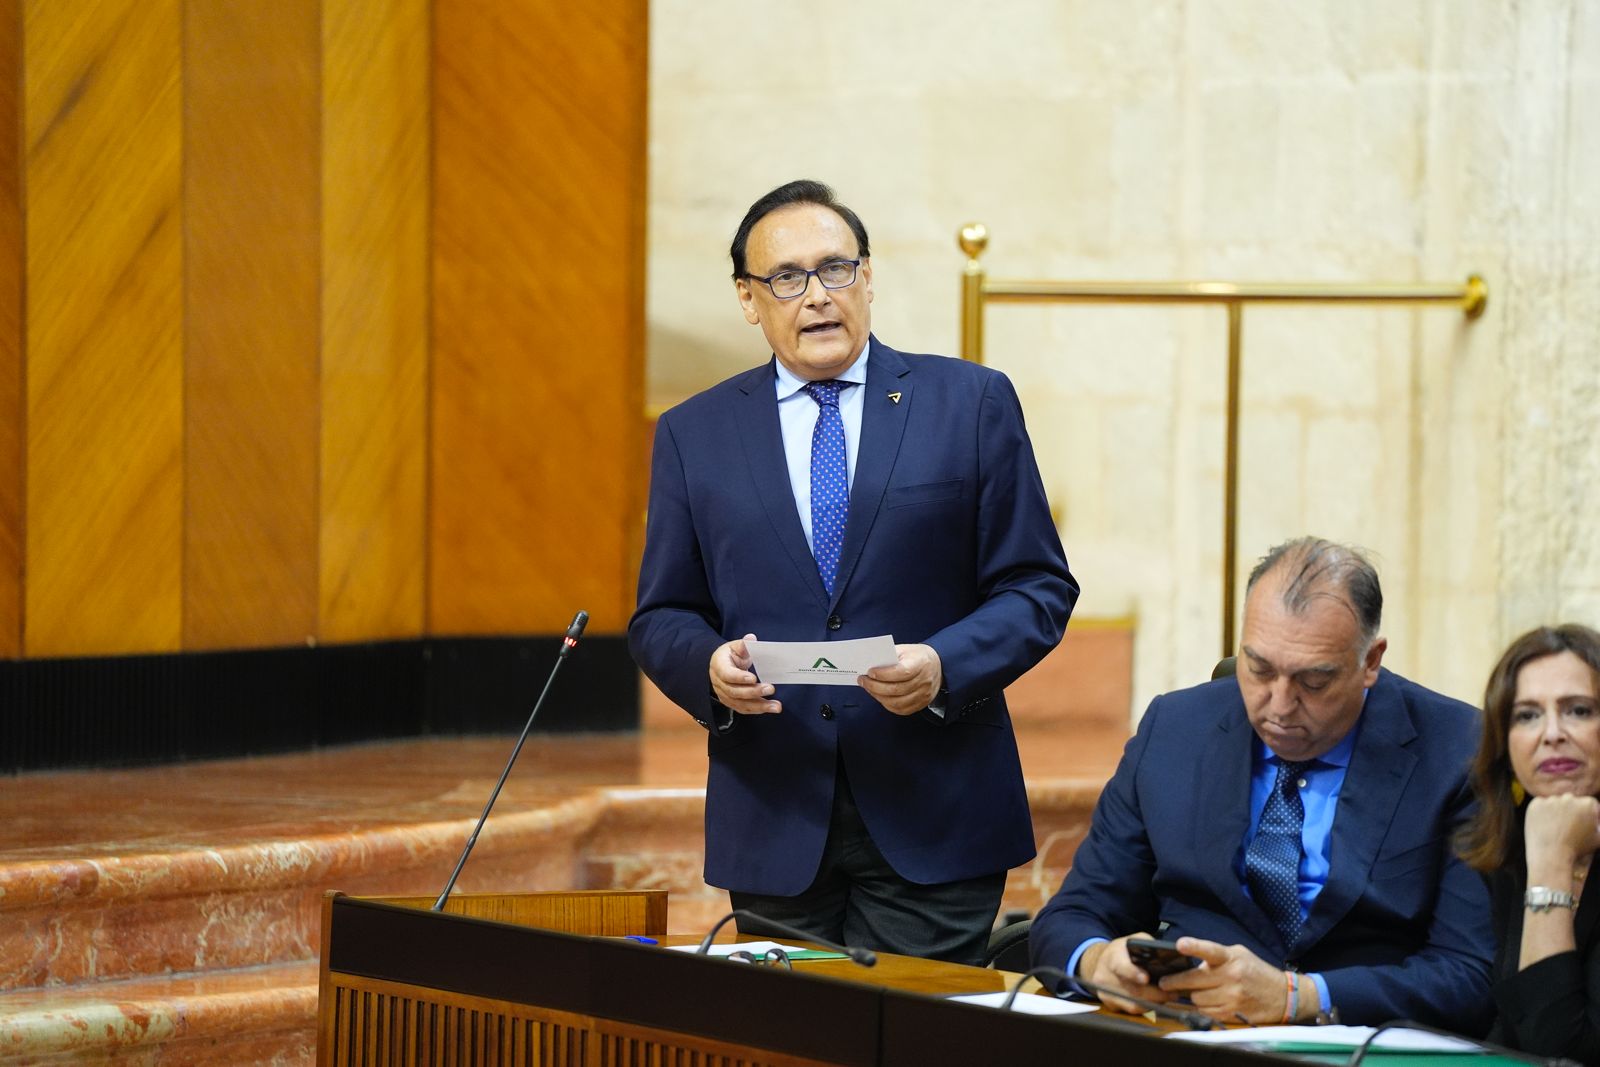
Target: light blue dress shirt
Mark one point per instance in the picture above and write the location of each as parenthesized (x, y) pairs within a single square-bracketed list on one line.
[(797, 418), (1320, 797)]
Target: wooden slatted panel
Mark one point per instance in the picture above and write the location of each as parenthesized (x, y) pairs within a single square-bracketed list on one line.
[(253, 243), (104, 306), (382, 1024), (524, 1045), (382, 1035), (362, 1053), (374, 318), (538, 272), (411, 1016), (11, 347), (624, 1046), (347, 1028), (438, 1022)]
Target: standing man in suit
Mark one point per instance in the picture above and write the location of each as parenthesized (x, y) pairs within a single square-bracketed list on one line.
[(845, 490), (1291, 828)]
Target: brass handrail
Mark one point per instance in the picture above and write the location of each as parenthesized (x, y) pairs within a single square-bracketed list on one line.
[(977, 291)]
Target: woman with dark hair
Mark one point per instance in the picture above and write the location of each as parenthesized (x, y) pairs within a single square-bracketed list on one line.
[(1537, 777)]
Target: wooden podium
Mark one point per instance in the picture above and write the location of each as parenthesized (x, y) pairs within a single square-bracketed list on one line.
[(479, 986), (402, 984)]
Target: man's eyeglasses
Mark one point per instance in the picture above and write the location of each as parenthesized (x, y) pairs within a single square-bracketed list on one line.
[(788, 284), (773, 957)]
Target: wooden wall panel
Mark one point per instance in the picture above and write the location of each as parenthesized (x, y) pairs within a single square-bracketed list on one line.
[(11, 347), (251, 189), (374, 317), (104, 303), (539, 169)]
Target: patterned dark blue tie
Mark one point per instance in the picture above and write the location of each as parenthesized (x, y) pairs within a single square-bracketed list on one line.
[(1272, 862), (830, 480)]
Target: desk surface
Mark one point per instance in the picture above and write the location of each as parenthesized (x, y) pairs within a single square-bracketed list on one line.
[(914, 975), (908, 973), (633, 1001)]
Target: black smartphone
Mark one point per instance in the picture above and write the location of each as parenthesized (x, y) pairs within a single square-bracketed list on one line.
[(1158, 958)]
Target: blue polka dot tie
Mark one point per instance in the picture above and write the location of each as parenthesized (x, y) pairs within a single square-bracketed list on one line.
[(1272, 862), (830, 480)]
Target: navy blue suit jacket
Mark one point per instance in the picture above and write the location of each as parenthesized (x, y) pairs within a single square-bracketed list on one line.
[(1400, 930), (949, 542)]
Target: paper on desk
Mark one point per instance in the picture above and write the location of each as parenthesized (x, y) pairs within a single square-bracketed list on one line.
[(1329, 1038), (820, 662), (755, 948), (1027, 1003)]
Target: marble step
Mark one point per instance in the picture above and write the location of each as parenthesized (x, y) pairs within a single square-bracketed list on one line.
[(258, 1015), (194, 909), (116, 874)]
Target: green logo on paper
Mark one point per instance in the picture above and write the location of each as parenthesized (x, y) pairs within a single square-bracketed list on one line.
[(823, 663)]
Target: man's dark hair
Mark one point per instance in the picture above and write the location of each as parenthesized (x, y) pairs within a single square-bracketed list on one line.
[(804, 191), (1311, 565)]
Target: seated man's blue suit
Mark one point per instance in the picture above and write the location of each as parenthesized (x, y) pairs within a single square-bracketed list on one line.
[(1401, 928), (949, 542)]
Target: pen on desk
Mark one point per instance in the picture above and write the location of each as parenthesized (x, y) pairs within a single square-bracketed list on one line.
[(641, 940)]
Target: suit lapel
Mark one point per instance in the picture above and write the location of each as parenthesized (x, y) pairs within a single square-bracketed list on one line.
[(1379, 768), (1225, 789), (756, 410), (883, 424)]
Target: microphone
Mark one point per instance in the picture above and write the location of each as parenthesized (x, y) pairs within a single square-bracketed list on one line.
[(863, 956), (568, 643), (1194, 1020)]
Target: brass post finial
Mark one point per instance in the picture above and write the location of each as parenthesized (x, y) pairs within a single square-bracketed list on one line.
[(973, 238), (1477, 296)]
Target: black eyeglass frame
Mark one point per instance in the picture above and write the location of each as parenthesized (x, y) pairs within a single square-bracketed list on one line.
[(855, 269)]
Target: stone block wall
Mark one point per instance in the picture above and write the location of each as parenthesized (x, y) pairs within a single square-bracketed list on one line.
[(1386, 140)]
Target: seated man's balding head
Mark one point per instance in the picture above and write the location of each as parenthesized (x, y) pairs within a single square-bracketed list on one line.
[(1310, 646)]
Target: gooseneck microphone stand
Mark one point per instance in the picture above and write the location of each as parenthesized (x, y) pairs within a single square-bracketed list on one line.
[(568, 643)]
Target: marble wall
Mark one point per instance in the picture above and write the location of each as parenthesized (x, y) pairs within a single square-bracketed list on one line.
[(1399, 140)]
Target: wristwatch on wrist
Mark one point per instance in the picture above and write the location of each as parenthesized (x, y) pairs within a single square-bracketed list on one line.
[(1538, 898)]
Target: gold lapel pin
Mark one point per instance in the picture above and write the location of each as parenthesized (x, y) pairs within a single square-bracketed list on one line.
[(895, 397)]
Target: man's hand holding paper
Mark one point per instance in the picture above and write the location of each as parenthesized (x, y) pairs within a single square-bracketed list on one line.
[(909, 684), (733, 683)]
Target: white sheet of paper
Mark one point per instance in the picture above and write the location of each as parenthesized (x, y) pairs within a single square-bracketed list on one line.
[(1027, 1003), (1341, 1037), (755, 948), (820, 662)]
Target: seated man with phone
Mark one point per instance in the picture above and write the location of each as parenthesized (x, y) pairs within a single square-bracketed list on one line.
[(1288, 832)]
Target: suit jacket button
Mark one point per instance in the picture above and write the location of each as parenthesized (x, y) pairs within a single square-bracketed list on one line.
[(827, 712), (834, 622)]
